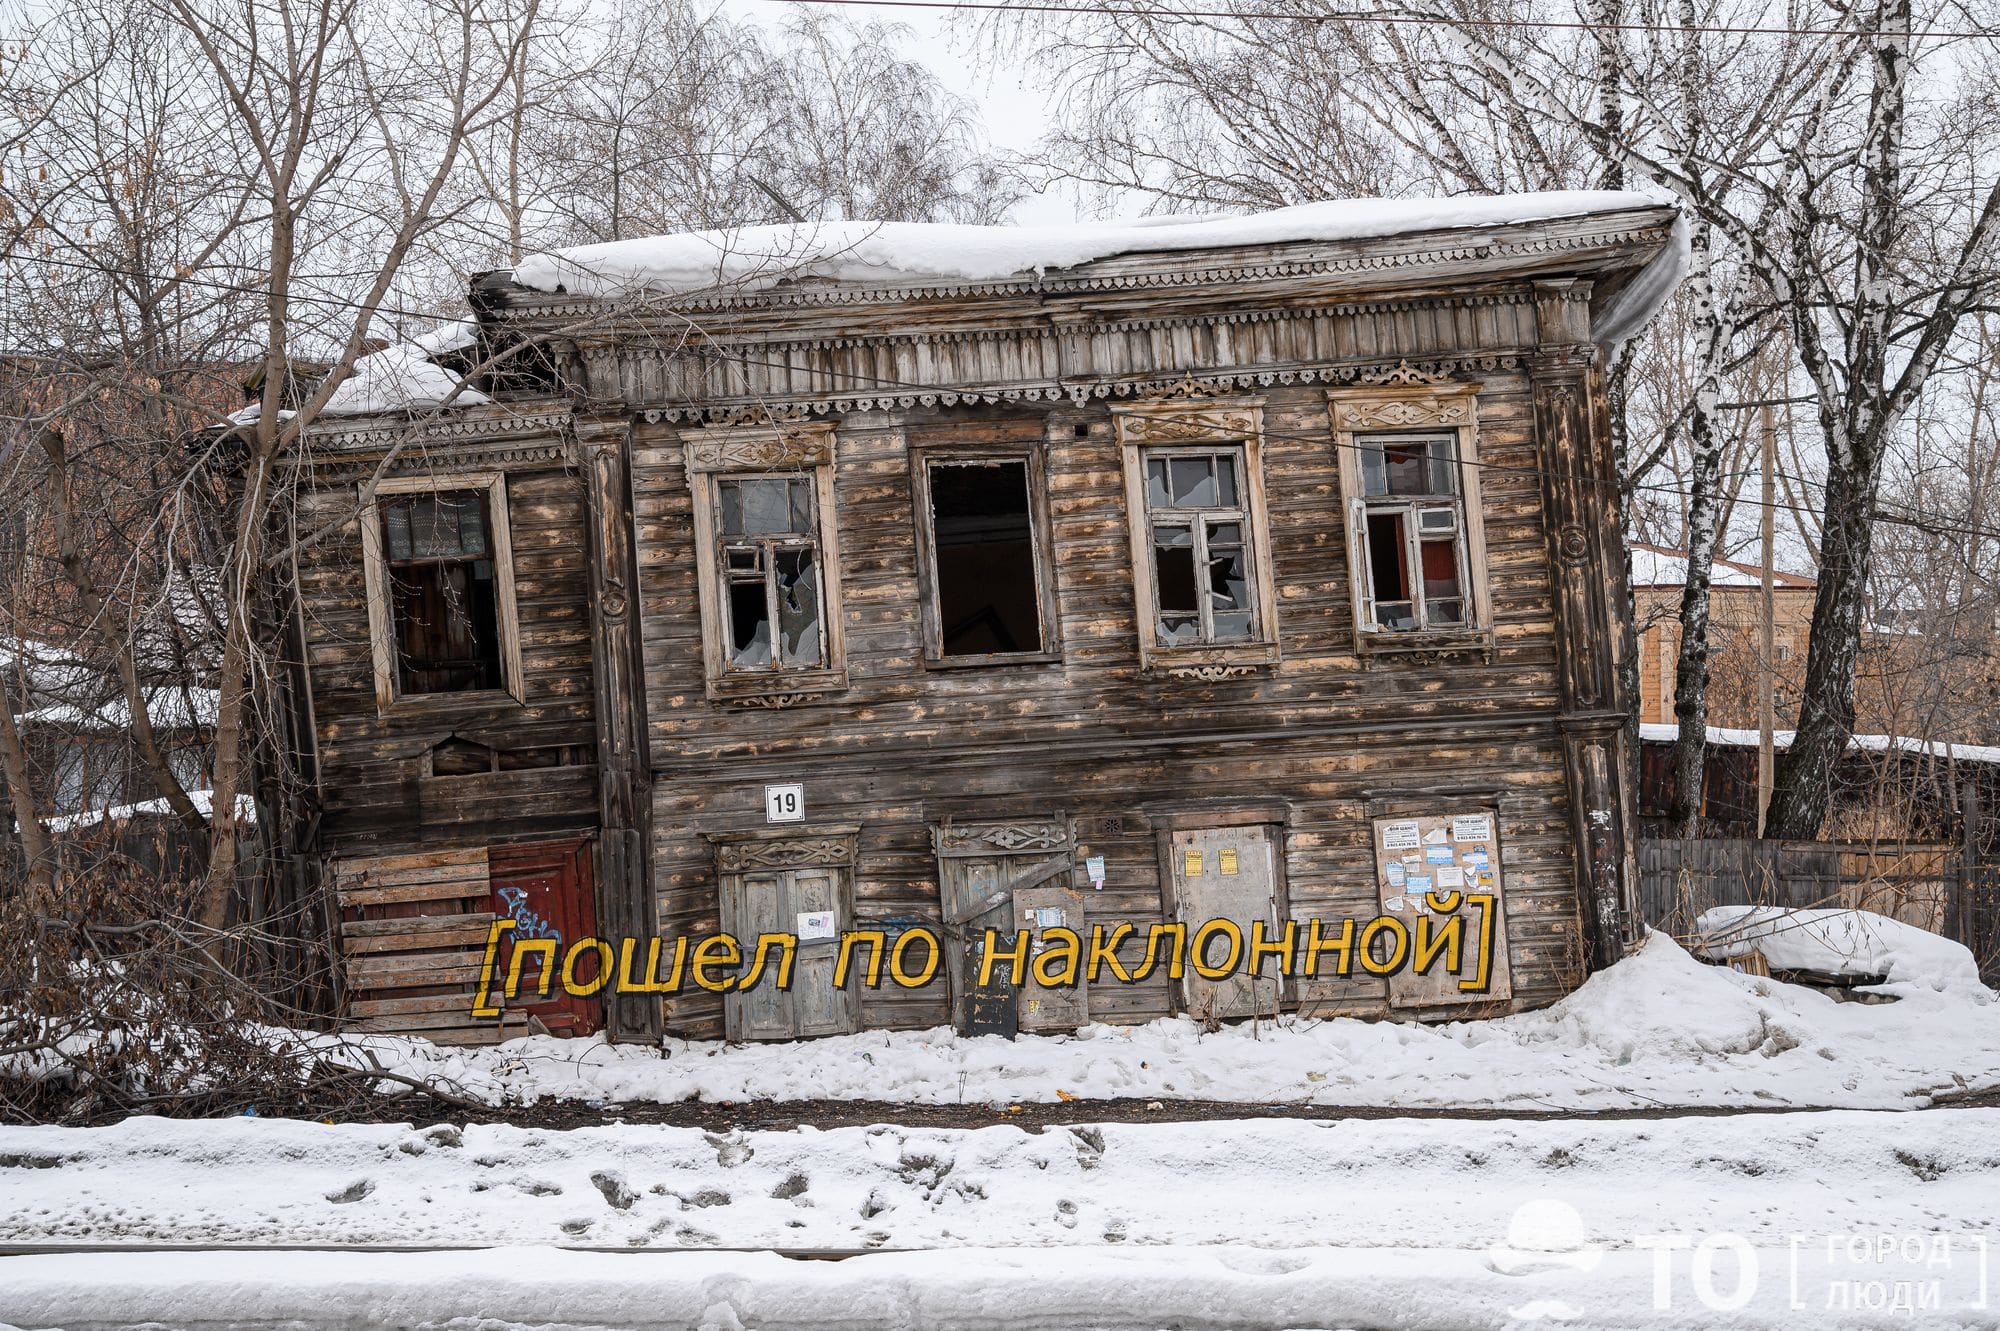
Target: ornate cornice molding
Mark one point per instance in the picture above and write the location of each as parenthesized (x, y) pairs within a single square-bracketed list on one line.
[(1079, 394), (482, 426)]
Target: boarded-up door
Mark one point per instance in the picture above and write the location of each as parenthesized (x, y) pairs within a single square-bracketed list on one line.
[(546, 888), (1424, 859), (983, 871), (1228, 873), (811, 902)]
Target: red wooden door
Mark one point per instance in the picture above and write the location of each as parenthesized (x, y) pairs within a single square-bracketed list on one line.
[(546, 888)]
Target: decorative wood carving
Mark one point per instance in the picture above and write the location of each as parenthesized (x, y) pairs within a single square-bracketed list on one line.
[(1405, 373), (1211, 674), (1402, 412), (1211, 426), (788, 853), (1016, 837), (766, 700), (759, 448)]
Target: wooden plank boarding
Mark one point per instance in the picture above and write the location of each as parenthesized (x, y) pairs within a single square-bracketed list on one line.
[(1417, 855)]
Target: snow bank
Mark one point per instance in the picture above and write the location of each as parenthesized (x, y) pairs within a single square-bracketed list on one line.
[(1837, 942), (1659, 1028), (750, 258)]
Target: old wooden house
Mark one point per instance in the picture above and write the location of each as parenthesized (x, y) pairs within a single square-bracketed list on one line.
[(943, 578)]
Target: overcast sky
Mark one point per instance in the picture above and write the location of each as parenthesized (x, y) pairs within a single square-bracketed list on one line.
[(1015, 114)]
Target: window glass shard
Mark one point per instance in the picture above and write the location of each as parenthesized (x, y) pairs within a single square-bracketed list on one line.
[(798, 609)]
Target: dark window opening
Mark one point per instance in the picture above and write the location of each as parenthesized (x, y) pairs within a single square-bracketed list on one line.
[(442, 592), (983, 535)]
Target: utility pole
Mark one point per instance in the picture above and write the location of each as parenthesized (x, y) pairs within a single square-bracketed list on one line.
[(1767, 628)]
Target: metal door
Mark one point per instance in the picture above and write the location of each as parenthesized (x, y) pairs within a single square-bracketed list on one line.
[(547, 889), (1228, 873), (783, 901)]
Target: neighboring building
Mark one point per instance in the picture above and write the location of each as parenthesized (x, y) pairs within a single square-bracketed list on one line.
[(1194, 556), (1735, 643)]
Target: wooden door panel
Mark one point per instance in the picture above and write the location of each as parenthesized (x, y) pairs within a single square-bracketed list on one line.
[(975, 900), (547, 889), (771, 903), (988, 872), (751, 905), (1062, 1007)]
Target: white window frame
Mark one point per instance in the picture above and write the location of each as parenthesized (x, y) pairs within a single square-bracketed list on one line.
[(381, 606)]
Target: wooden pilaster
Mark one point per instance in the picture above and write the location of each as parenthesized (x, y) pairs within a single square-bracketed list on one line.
[(624, 878), (1593, 625)]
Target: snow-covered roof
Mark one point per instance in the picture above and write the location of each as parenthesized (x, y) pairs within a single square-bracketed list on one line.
[(1724, 737), (893, 253), (1660, 566)]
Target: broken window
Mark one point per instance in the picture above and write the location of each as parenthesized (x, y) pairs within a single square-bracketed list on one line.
[(442, 591), (1204, 591), (768, 536), (1411, 515), (988, 598)]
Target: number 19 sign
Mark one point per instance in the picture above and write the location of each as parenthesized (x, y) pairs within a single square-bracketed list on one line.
[(785, 804)]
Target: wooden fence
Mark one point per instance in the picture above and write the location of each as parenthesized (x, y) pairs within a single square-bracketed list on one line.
[(1679, 879)]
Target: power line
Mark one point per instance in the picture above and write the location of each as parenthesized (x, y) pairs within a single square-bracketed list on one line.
[(1414, 20)]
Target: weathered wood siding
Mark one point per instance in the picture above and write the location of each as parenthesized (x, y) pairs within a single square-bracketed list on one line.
[(1325, 733), (376, 795)]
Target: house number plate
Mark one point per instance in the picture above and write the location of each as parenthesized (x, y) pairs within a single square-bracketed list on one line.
[(785, 804)]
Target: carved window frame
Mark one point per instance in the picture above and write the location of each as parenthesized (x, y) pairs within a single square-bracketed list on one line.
[(1032, 455), (381, 608), (749, 452), (1217, 425), (1417, 409)]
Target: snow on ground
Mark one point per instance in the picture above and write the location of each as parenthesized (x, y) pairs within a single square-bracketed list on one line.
[(1278, 1183), (1394, 1222), (1659, 1028), (1837, 942)]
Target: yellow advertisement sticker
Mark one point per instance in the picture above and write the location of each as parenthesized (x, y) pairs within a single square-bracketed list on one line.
[(1191, 864), (1228, 860)]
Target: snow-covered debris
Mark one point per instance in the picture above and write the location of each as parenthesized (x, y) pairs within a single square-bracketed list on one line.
[(203, 801), (1659, 1028), (1857, 943), (894, 253), (397, 378)]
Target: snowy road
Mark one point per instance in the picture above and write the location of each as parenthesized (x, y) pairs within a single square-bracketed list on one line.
[(1262, 1222)]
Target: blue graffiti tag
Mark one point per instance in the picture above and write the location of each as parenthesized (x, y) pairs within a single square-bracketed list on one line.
[(527, 924)]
